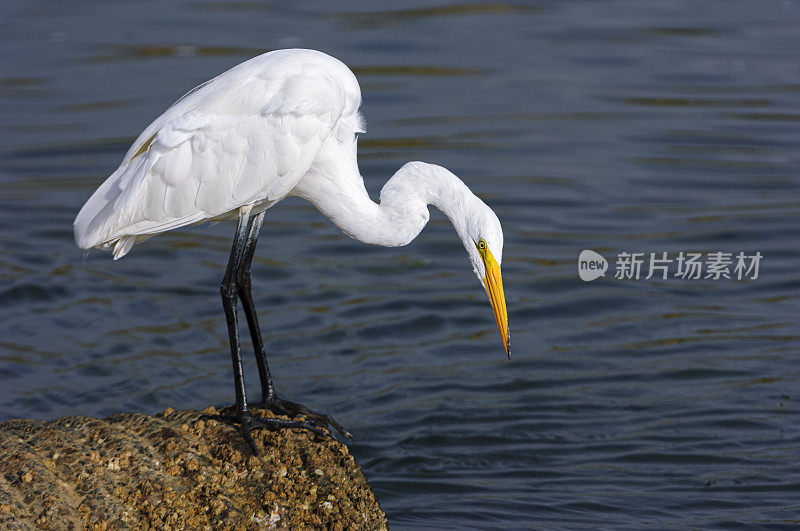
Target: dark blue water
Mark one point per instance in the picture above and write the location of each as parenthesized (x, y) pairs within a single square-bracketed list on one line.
[(614, 126)]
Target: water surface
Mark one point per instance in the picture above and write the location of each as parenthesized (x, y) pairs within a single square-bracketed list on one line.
[(615, 126)]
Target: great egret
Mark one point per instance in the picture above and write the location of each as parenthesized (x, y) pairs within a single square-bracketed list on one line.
[(283, 123)]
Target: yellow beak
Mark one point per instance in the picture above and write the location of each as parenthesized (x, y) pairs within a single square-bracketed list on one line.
[(494, 287)]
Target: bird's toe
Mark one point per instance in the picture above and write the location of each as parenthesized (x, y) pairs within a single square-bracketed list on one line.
[(280, 406)]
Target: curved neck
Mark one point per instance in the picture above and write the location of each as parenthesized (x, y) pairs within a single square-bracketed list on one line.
[(403, 208)]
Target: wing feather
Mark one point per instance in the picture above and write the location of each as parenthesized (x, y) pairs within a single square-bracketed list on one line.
[(244, 138)]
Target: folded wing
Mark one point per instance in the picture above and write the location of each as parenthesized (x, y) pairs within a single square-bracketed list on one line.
[(243, 138)]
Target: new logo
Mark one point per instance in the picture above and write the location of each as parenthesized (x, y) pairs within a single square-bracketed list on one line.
[(591, 265)]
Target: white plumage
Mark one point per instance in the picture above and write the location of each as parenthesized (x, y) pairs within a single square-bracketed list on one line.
[(245, 137), (283, 123)]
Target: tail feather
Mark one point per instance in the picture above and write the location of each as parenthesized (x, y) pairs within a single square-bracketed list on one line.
[(123, 245), (102, 220), (85, 224)]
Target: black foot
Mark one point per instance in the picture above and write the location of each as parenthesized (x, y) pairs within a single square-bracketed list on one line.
[(280, 406), (248, 422)]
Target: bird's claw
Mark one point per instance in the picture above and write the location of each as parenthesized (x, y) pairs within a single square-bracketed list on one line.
[(248, 422), (280, 406)]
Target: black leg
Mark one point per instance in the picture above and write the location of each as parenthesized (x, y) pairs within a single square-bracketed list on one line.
[(229, 289), (269, 397), (229, 303), (243, 282)]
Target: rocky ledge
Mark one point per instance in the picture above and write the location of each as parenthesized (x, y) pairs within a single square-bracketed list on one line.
[(176, 470)]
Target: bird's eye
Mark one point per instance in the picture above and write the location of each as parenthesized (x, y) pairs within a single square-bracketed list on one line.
[(481, 244)]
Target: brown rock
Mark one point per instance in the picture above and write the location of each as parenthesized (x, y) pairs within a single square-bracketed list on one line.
[(177, 470)]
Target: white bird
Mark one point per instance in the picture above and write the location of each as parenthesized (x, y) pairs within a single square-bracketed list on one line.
[(282, 124)]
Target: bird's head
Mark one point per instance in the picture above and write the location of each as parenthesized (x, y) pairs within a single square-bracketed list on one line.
[(418, 184), (483, 239)]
